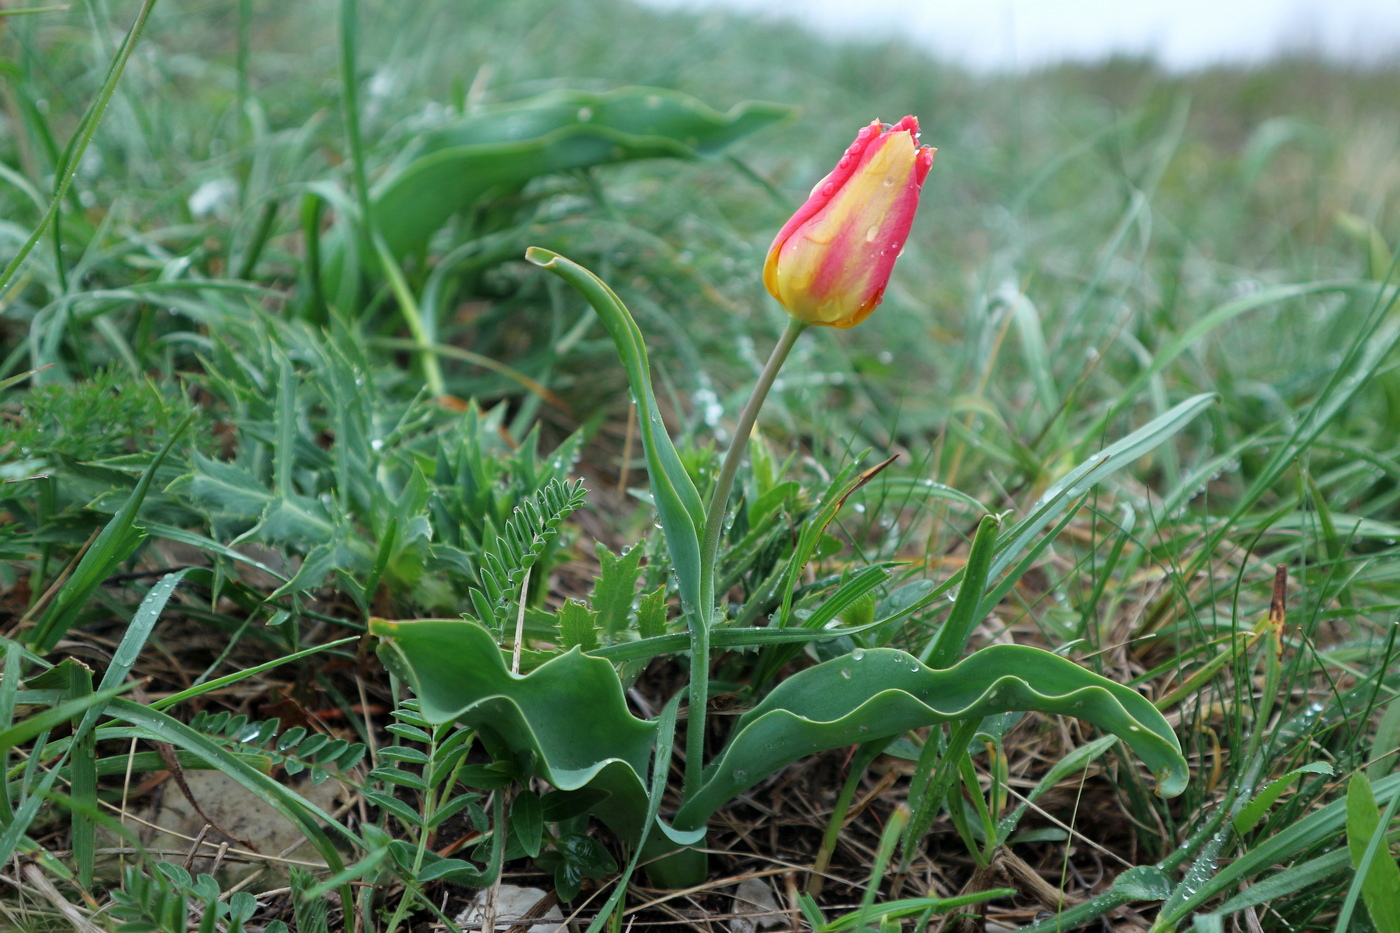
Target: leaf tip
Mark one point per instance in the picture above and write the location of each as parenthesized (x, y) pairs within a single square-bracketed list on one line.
[(540, 256), (1171, 781)]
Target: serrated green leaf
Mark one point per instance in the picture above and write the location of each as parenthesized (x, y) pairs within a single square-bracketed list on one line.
[(578, 626), (227, 488), (651, 613), (615, 586)]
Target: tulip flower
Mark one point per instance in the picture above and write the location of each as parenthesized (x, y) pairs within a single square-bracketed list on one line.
[(831, 262)]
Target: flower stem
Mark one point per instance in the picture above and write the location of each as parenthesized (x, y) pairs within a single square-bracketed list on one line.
[(709, 555)]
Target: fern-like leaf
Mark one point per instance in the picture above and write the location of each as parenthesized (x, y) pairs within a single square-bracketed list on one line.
[(527, 533)]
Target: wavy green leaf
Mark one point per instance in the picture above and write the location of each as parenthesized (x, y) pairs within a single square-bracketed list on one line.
[(570, 713), (884, 692)]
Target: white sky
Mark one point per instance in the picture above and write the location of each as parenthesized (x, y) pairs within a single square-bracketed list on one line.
[(1182, 34)]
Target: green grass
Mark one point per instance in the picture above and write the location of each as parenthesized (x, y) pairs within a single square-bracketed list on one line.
[(1096, 244)]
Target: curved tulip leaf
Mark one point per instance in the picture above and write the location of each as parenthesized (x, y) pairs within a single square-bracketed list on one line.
[(884, 692), (677, 502), (498, 149), (569, 713), (681, 124)]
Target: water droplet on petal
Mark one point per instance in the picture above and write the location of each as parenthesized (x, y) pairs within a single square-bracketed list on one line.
[(872, 233)]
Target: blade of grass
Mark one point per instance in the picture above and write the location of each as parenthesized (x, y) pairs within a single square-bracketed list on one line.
[(86, 129)]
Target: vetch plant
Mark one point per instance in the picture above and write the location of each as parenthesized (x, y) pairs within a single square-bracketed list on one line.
[(828, 266)]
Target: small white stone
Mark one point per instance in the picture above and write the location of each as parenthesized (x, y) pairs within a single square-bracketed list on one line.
[(754, 897), (511, 903)]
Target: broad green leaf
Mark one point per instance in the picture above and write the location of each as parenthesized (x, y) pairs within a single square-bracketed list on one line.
[(498, 149), (677, 501), (527, 821), (1387, 739), (1377, 868), (884, 692), (569, 712), (495, 151)]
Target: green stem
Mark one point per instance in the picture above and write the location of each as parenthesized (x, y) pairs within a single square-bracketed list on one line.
[(859, 763), (709, 553), (350, 105), (424, 332), (925, 803)]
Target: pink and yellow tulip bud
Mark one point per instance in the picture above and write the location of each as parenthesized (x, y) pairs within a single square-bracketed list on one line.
[(831, 262)]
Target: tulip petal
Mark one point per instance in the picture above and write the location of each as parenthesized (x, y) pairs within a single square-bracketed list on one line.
[(831, 261)]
